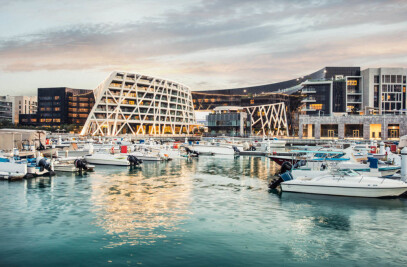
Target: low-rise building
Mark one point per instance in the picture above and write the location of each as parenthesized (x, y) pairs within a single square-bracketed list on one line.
[(23, 105), (6, 108), (230, 121)]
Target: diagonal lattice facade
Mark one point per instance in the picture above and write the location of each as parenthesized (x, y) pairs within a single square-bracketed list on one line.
[(129, 103), (268, 119)]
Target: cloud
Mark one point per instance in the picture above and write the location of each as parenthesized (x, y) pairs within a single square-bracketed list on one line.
[(218, 43)]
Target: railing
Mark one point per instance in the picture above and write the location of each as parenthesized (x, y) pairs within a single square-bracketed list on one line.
[(308, 90)]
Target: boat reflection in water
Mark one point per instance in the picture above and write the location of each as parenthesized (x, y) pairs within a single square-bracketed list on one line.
[(140, 206)]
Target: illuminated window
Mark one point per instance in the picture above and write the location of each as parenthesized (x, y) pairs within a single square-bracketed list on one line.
[(252, 101), (206, 100), (57, 120), (352, 82), (57, 109), (42, 120), (316, 106), (56, 97)]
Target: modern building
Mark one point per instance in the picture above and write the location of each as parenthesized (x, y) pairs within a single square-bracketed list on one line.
[(338, 89), (328, 90), (130, 103), (353, 127), (229, 121), (60, 105), (384, 89), (6, 108), (350, 101), (23, 105)]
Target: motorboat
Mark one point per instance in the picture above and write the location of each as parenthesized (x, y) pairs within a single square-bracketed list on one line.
[(72, 165), (308, 155), (343, 183), (113, 159), (39, 166), (12, 170), (214, 149), (107, 159)]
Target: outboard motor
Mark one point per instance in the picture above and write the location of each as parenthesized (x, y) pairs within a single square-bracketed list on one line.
[(191, 153), (237, 151), (43, 164), (41, 147), (134, 161), (285, 167), (81, 164)]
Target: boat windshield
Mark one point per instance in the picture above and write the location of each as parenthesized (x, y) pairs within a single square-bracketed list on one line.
[(347, 172)]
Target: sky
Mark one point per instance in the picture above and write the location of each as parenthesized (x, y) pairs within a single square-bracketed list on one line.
[(208, 44)]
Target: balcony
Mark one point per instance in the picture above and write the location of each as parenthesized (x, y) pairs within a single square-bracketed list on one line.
[(308, 91), (354, 92), (309, 100), (308, 109)]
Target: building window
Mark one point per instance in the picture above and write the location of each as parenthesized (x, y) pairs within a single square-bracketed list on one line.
[(316, 106), (57, 109), (56, 97)]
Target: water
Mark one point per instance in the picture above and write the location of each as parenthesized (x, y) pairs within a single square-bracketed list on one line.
[(210, 211)]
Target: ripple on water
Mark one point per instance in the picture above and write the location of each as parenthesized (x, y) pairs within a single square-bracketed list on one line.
[(209, 211)]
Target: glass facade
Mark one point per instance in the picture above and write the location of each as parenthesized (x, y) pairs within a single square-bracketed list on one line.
[(61, 105)]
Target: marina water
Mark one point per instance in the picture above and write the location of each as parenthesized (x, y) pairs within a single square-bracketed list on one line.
[(211, 211)]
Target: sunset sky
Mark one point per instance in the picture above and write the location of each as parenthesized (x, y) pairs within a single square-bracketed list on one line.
[(203, 44)]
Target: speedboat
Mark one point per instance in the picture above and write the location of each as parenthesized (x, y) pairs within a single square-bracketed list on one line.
[(343, 183)]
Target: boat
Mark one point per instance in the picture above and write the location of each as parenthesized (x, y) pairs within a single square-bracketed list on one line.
[(214, 149), (107, 159), (308, 155), (12, 170), (344, 183), (72, 165), (39, 166), (113, 159)]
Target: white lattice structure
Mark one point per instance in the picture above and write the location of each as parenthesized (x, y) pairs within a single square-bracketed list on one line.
[(269, 119), (129, 103)]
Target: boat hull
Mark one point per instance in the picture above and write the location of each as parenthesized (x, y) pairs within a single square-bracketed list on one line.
[(214, 150), (106, 160), (343, 190)]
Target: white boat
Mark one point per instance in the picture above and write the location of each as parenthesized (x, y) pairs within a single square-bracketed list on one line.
[(146, 156), (343, 183), (10, 169), (68, 165), (108, 159), (213, 149)]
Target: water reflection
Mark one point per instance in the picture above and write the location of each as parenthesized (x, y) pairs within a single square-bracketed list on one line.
[(235, 168), (139, 206)]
